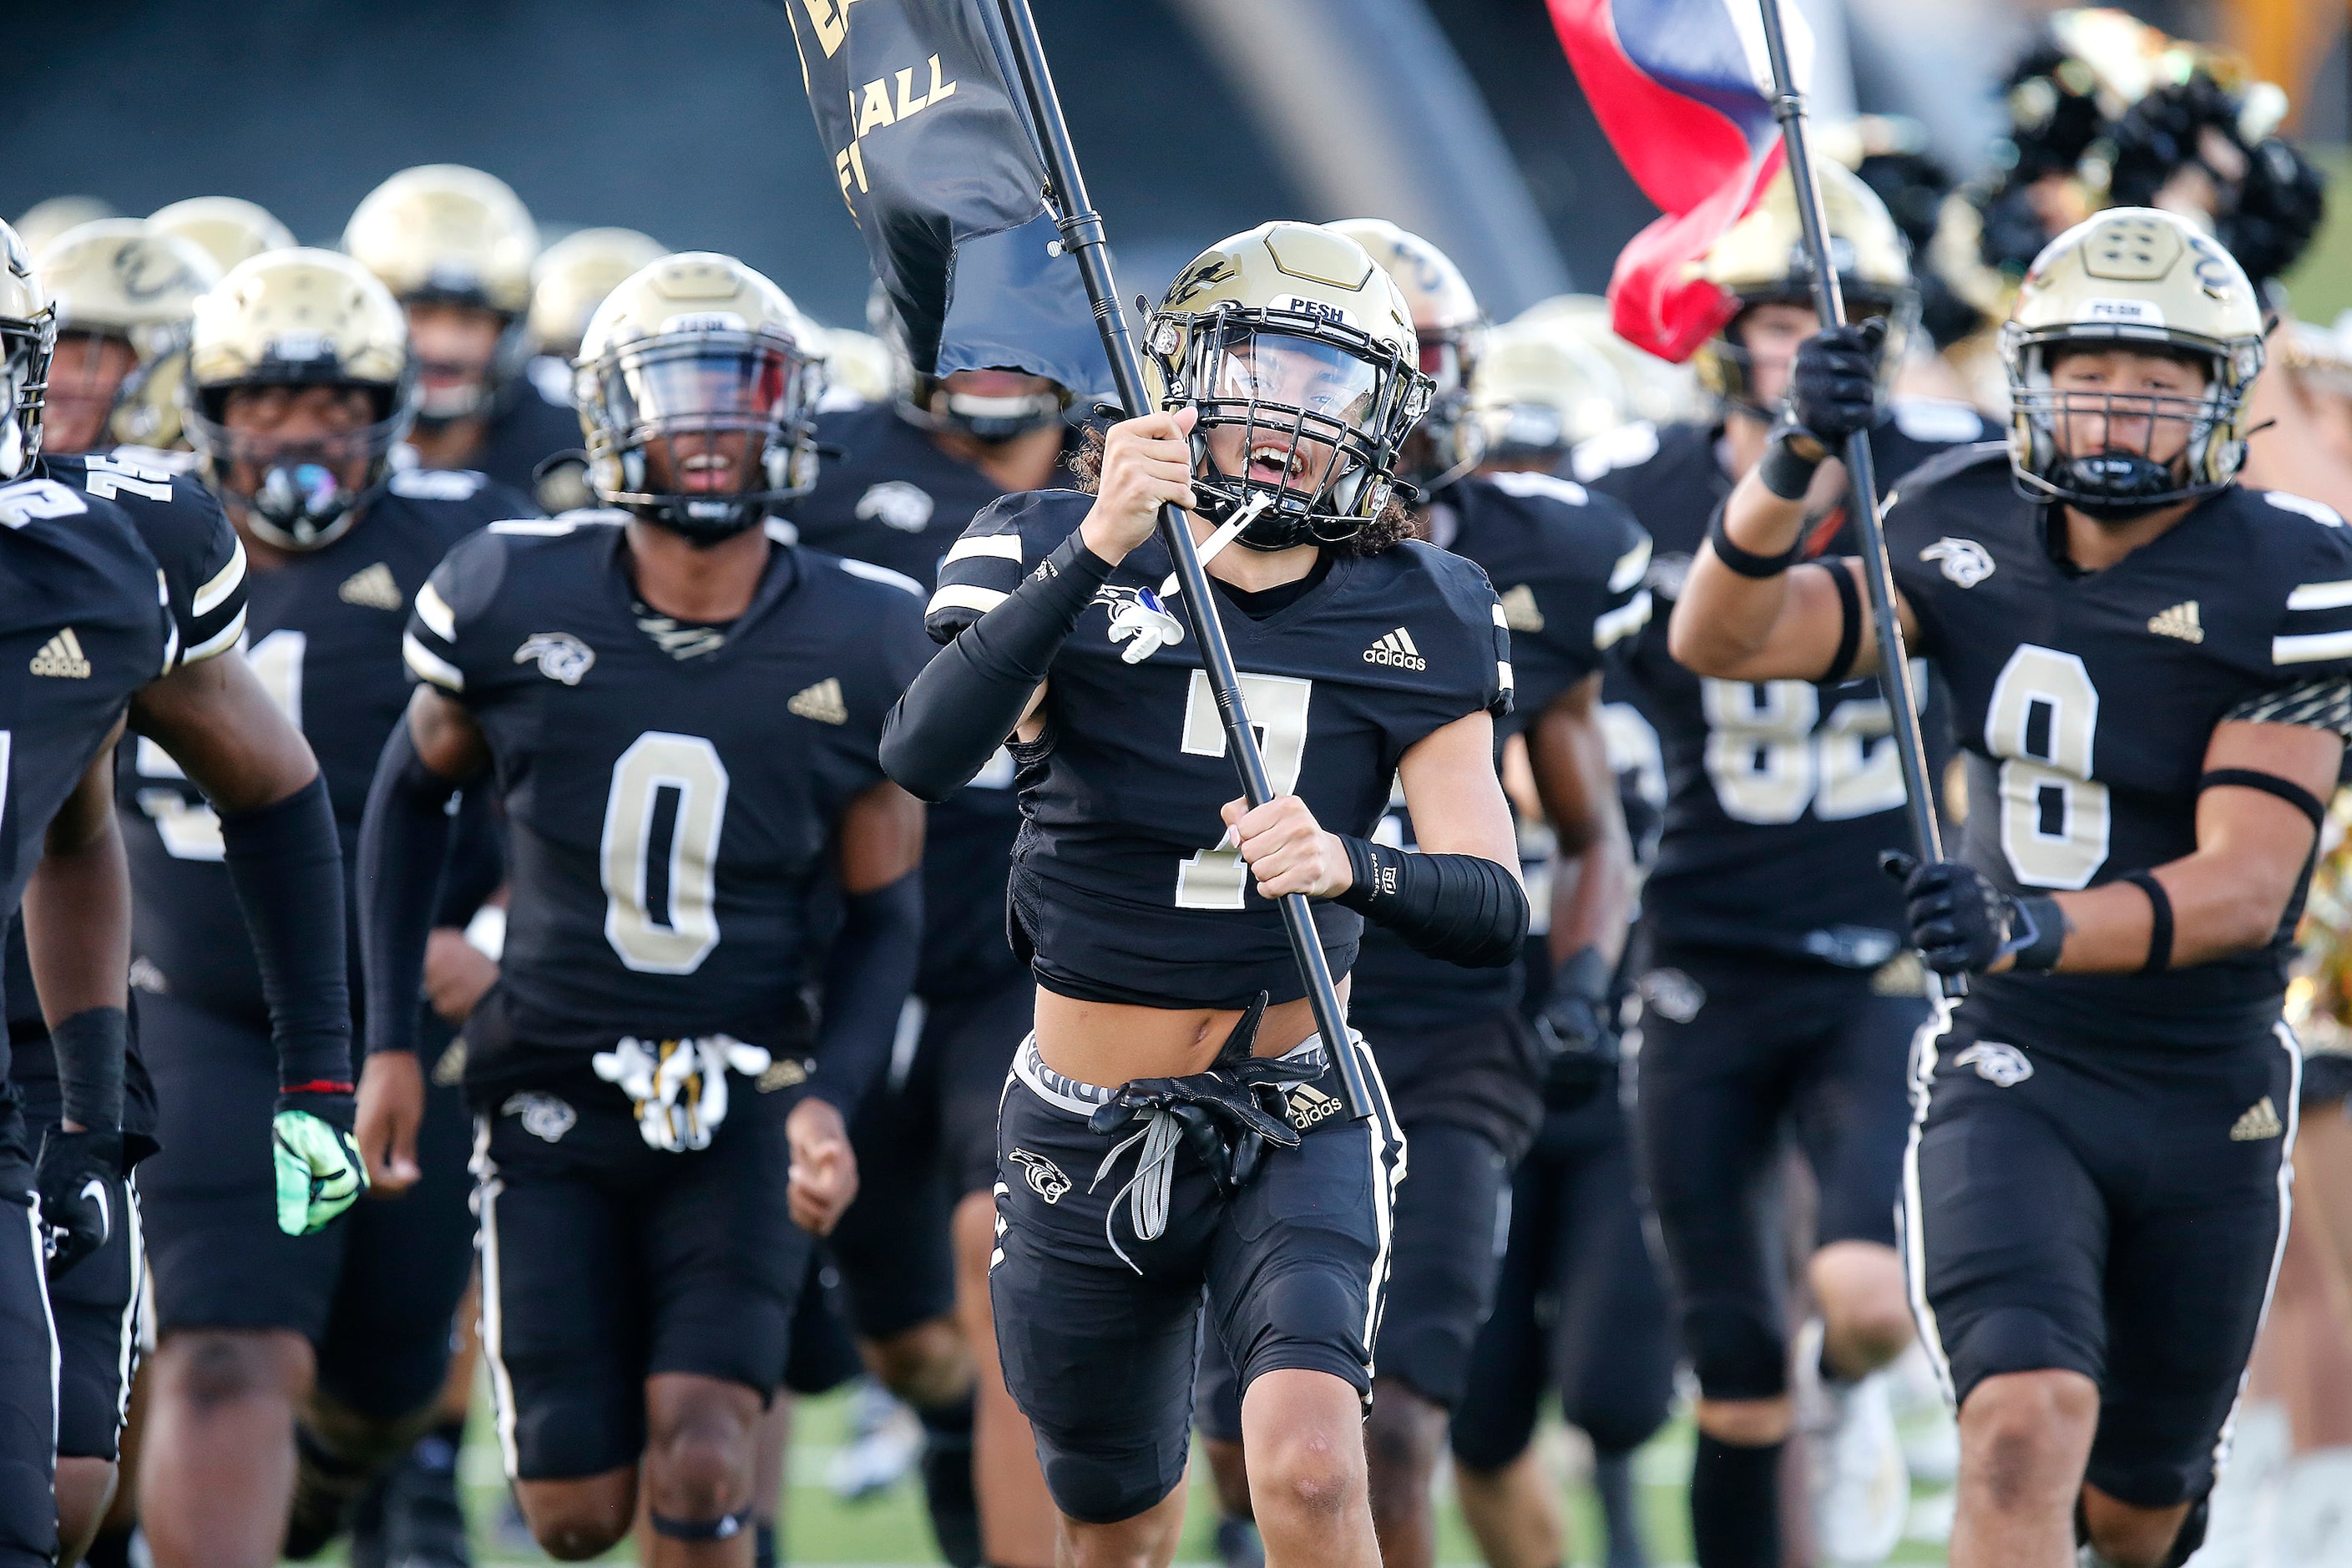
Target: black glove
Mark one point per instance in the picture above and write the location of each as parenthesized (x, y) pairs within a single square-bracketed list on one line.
[(1578, 1035), (75, 1178), (1228, 1115), (1833, 386), (1962, 924)]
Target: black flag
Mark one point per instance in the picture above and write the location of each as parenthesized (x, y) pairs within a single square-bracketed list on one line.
[(940, 168)]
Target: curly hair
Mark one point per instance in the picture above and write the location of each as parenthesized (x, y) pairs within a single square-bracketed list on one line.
[(1391, 528)]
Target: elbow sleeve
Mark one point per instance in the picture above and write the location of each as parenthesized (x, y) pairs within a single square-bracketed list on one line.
[(404, 843), (1464, 909), (286, 862), (866, 978), (954, 715)]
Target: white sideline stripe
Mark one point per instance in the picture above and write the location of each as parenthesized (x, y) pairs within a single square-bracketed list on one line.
[(1007, 545), (429, 665), (2311, 649), (1924, 1057), (434, 612), (965, 596), (222, 583), (493, 1322)]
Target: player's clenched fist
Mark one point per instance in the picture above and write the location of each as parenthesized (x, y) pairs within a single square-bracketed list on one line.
[(1288, 850), (1146, 464)]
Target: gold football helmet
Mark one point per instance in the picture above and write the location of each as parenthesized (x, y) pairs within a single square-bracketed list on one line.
[(295, 319), (29, 331), (1657, 390), (1540, 391), (572, 276), (445, 234), (859, 366), (44, 221), (229, 229), (1452, 331), (118, 280), (2131, 277), (1297, 351), (1761, 259), (698, 384)]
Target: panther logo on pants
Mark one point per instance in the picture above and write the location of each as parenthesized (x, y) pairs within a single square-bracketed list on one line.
[(1046, 1179), (1996, 1063), (544, 1116)]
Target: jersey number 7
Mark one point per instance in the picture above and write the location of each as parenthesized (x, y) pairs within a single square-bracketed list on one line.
[(1276, 705)]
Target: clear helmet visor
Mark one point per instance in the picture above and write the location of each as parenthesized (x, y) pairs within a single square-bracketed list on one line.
[(704, 427), (1290, 417)]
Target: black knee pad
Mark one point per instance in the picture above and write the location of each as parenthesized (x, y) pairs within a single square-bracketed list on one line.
[(1736, 1353)]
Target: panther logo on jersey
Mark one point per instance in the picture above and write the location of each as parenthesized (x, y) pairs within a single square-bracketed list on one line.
[(1139, 620), (2003, 1065), (895, 503), (560, 656), (1046, 1179), (544, 1117), (1964, 561)]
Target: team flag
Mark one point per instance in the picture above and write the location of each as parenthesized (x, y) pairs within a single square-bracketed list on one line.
[(1684, 90), (939, 166)]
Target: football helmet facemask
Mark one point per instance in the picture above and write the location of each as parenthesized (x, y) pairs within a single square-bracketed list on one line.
[(698, 384), (1298, 353), (445, 234), (28, 332), (2131, 277), (1453, 333), (117, 280), (1761, 259), (297, 317)]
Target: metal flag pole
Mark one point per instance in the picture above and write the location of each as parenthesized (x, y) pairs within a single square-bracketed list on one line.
[(1082, 236), (1862, 477)]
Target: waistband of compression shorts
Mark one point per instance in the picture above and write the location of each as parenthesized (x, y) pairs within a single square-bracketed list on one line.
[(1064, 1093)]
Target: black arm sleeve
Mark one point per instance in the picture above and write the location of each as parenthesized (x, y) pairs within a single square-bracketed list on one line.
[(1464, 909), (950, 721), (91, 1047), (404, 844), (866, 977), (286, 862), (477, 859)]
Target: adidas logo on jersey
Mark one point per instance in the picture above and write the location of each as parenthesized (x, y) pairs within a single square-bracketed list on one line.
[(821, 702), (1310, 1106), (1396, 649), (1520, 611), (372, 588), (2181, 621), (62, 655), (2260, 1122)]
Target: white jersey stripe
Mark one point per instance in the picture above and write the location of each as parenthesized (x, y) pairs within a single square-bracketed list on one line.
[(966, 596), (434, 612), (1622, 622), (2312, 649), (222, 583), (1007, 545), (2320, 595), (1630, 567), (220, 642), (430, 666)]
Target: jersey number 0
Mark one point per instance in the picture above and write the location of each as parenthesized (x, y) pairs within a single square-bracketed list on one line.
[(661, 915)]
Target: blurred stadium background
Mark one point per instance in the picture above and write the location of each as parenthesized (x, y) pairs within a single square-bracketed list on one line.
[(1196, 117)]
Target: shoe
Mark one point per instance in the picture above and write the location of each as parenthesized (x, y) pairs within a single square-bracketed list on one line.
[(423, 1518), (2314, 1510), (885, 1444), (1861, 1491), (326, 1490), (1239, 1545)]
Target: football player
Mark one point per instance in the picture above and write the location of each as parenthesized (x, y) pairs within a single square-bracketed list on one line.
[(1578, 1308), (568, 281), (1464, 1068), (456, 248), (1175, 1123), (915, 470), (229, 229), (1777, 989), (682, 714), (2097, 1177), (128, 591), (300, 387), (125, 296)]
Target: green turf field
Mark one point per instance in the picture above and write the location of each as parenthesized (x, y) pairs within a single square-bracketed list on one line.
[(819, 1527)]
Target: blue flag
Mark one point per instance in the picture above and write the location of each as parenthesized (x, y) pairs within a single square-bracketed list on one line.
[(938, 165)]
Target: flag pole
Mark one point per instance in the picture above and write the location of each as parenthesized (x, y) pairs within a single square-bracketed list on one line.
[(1082, 237), (1862, 501)]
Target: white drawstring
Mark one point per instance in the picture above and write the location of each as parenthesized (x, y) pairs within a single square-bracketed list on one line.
[(1147, 1190)]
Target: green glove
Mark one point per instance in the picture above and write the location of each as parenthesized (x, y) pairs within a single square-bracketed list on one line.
[(320, 1172)]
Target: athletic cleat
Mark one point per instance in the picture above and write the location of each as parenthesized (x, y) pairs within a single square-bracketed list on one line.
[(885, 1443), (424, 1519), (1861, 1491)]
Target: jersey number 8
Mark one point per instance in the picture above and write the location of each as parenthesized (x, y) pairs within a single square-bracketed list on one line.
[(662, 916), (2054, 816), (1276, 706)]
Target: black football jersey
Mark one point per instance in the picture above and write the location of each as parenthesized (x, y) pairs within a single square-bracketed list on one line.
[(1122, 886), (91, 612), (671, 791), (528, 429), (887, 494), (2084, 704), (322, 633), (1769, 785), (1569, 567)]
